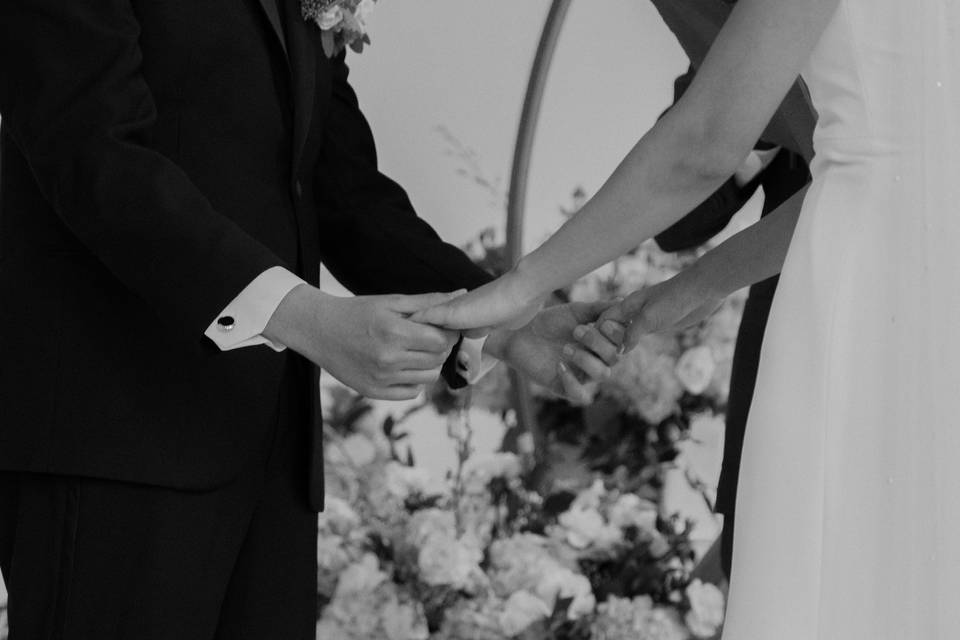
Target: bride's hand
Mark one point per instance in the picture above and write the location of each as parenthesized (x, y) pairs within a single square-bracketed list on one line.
[(505, 303), (672, 305)]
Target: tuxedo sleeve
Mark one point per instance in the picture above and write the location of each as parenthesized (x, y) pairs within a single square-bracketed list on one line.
[(708, 219), (372, 240), (75, 101), (714, 213)]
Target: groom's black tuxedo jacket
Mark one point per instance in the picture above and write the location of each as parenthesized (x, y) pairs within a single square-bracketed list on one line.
[(157, 157)]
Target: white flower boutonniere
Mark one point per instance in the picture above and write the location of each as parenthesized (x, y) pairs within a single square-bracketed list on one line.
[(342, 23)]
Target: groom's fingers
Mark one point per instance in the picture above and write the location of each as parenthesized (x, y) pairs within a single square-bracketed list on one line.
[(591, 338), (614, 331), (572, 388), (592, 366), (587, 312), (414, 377), (634, 303), (396, 393), (424, 337), (419, 360)]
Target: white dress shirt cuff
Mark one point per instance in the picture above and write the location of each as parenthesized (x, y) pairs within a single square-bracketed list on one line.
[(756, 161), (241, 323), (472, 363)]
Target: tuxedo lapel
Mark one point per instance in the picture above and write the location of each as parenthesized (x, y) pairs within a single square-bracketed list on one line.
[(273, 16), (292, 32), (303, 66)]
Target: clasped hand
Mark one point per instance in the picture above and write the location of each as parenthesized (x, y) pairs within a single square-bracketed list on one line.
[(671, 305), (367, 342), (381, 347), (677, 303)]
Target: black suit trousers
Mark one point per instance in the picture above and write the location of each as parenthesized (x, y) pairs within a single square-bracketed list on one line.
[(743, 379), (91, 559)]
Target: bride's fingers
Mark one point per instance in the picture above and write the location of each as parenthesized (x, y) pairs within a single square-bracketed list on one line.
[(453, 315), (417, 303), (440, 315)]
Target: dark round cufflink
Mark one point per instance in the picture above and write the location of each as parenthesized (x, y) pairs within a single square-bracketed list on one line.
[(225, 323)]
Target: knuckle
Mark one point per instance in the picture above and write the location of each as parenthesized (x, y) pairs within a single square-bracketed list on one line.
[(382, 360)]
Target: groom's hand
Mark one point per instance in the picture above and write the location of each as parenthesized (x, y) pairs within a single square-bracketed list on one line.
[(559, 349), (367, 342)]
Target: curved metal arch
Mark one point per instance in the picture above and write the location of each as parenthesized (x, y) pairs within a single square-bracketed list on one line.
[(519, 174)]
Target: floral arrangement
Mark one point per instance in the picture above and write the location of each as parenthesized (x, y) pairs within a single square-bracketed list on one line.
[(478, 554), (660, 414), (343, 23)]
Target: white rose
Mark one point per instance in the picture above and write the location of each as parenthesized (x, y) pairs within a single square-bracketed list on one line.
[(356, 449), (402, 622), (664, 624), (331, 18), (702, 453), (621, 618), (586, 527), (659, 546), (364, 9), (331, 556), (521, 610), (518, 562), (404, 481), (474, 619), (337, 516), (695, 369), (646, 378), (329, 628), (426, 523), (481, 469), (590, 497), (564, 583), (445, 561), (360, 577), (630, 510), (706, 609)]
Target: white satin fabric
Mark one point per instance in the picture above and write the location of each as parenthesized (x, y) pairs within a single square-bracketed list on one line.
[(848, 516)]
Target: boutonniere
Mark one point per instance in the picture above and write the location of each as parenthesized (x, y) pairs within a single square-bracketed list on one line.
[(342, 23)]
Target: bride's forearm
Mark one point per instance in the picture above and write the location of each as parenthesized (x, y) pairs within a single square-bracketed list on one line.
[(751, 256), (699, 143), (666, 175)]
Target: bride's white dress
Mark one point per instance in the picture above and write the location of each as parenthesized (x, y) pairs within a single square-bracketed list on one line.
[(848, 518)]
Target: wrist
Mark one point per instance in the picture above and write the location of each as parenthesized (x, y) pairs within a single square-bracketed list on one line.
[(528, 281), (702, 280), (497, 343), (290, 323)]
